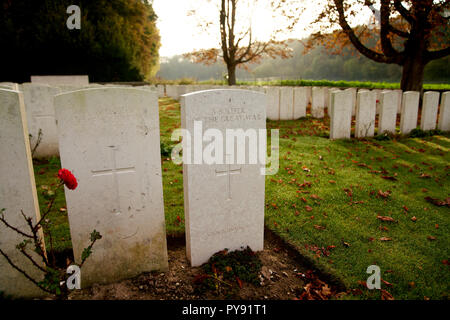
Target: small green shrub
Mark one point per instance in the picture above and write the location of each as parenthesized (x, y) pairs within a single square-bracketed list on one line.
[(225, 272), (419, 133), (166, 150), (385, 136)]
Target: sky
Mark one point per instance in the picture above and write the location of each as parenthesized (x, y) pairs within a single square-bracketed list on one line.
[(180, 33)]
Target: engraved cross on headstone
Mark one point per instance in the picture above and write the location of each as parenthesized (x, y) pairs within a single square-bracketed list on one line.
[(228, 172), (114, 171)]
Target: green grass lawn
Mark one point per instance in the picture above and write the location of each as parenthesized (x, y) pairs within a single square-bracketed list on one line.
[(325, 200), (328, 194)]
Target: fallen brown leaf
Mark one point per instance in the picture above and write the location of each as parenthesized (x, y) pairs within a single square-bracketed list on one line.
[(385, 218), (386, 295)]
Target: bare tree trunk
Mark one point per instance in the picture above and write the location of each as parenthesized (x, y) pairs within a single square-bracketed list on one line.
[(231, 75)]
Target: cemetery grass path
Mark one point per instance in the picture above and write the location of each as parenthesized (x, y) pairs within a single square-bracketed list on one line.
[(330, 201)]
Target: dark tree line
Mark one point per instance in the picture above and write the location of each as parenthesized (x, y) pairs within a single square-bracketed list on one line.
[(118, 40)]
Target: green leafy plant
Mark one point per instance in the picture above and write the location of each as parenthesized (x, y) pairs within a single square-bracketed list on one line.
[(419, 133), (33, 247), (166, 150), (385, 136), (227, 271)]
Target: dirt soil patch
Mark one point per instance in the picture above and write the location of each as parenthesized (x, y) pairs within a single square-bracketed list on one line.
[(282, 277)]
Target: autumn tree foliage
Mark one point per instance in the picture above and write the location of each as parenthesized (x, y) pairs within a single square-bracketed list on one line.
[(406, 33), (238, 44)]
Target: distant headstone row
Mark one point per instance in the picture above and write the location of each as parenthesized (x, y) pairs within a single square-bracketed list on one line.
[(284, 102), (290, 103), (109, 138), (366, 106)]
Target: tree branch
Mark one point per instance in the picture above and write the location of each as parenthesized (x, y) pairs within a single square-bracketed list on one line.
[(355, 41), (259, 50), (247, 50), (242, 37), (403, 11), (2, 219), (223, 33), (400, 33), (433, 55), (31, 259), (40, 249), (386, 44), (23, 272)]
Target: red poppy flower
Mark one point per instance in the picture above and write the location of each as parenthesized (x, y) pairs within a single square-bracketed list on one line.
[(68, 178)]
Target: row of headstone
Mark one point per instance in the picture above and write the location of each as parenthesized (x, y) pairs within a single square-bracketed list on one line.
[(284, 102), (38, 98), (366, 105), (290, 103), (109, 138)]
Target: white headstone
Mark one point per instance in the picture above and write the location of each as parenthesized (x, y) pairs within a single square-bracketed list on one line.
[(224, 203), (273, 103), (410, 109), (388, 111), (309, 93), (399, 100), (300, 102), (181, 89), (189, 88), (172, 91), (325, 95), (201, 87), (256, 88), (341, 114), (329, 97), (9, 86), (161, 90), (69, 88), (286, 103), (353, 92), (75, 80), (444, 113), (40, 110), (17, 193), (365, 114), (147, 87), (429, 110), (109, 139), (318, 102), (378, 99)]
